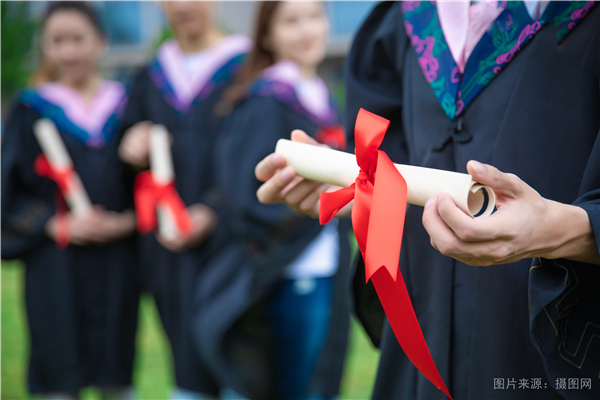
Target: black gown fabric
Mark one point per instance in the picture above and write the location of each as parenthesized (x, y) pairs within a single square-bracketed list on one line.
[(230, 323), (82, 301), (171, 277), (539, 118)]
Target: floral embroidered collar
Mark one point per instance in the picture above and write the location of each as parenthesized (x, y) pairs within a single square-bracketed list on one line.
[(499, 45)]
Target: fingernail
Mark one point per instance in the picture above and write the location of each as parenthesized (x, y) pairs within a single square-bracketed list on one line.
[(428, 204), (479, 167), (286, 174), (440, 197), (277, 159)]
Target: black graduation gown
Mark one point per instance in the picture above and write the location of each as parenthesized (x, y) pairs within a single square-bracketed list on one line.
[(539, 118), (168, 276), (231, 330), (82, 301)]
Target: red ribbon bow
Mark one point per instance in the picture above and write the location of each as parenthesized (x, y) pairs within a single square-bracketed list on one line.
[(64, 179), (148, 193), (379, 194)]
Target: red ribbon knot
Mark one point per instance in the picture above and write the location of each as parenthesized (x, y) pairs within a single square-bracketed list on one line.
[(148, 194), (379, 195)]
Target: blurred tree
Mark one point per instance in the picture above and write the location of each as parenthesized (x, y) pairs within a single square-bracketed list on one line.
[(17, 31)]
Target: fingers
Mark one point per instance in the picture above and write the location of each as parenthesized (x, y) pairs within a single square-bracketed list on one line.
[(310, 204), (299, 192), (174, 245), (135, 145), (479, 252), (268, 166), (502, 183), (300, 136), (465, 227), (442, 238), (269, 192)]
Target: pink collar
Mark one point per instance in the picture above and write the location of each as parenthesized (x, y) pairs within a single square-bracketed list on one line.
[(91, 116), (312, 94), (464, 23), (187, 84)]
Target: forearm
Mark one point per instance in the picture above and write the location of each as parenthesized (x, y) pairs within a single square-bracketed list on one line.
[(570, 234)]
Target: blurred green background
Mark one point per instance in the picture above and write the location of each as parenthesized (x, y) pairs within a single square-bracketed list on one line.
[(153, 372)]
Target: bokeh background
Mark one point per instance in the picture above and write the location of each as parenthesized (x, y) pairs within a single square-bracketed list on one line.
[(135, 29)]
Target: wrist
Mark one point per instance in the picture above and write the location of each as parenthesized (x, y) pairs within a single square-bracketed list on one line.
[(125, 222), (568, 234)]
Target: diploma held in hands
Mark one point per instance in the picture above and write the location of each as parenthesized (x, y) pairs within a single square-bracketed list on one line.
[(156, 200), (161, 163), (339, 168), (57, 165)]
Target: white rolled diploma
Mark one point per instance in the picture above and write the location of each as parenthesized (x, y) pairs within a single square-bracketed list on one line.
[(161, 166), (57, 155), (339, 168)]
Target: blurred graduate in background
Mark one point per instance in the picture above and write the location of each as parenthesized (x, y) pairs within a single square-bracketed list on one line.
[(179, 88), (81, 293), (271, 315)]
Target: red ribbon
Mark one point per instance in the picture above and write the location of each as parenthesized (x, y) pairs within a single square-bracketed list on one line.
[(148, 193), (64, 179), (379, 194), (332, 136)]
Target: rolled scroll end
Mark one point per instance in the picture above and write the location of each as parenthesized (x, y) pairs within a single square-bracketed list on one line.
[(481, 200)]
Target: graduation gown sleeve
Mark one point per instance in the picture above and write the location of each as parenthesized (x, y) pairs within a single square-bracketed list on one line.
[(256, 126), (564, 303), (374, 83), (24, 214)]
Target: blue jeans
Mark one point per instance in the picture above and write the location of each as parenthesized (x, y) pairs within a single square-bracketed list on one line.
[(299, 313)]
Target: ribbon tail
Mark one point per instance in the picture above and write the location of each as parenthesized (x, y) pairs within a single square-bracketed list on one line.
[(384, 240), (178, 209), (145, 199), (41, 166), (331, 203), (399, 311), (386, 218)]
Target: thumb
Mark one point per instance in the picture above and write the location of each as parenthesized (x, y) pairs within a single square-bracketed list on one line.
[(500, 182), (300, 136)]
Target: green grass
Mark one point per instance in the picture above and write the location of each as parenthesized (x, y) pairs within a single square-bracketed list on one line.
[(153, 373)]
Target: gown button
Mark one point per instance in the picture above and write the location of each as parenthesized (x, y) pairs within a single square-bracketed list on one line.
[(459, 135)]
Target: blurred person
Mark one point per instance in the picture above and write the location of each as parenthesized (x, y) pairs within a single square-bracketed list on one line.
[(271, 313), (81, 299), (513, 85), (179, 88)]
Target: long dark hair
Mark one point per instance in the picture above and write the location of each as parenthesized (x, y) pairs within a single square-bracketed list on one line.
[(46, 72), (257, 60)]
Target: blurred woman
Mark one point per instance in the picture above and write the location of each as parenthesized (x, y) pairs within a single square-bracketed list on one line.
[(271, 315), (179, 89), (81, 299)]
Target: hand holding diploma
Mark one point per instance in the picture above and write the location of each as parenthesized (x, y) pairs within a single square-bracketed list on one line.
[(283, 185), (204, 222), (97, 227), (157, 201), (526, 225), (134, 148), (56, 164)]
